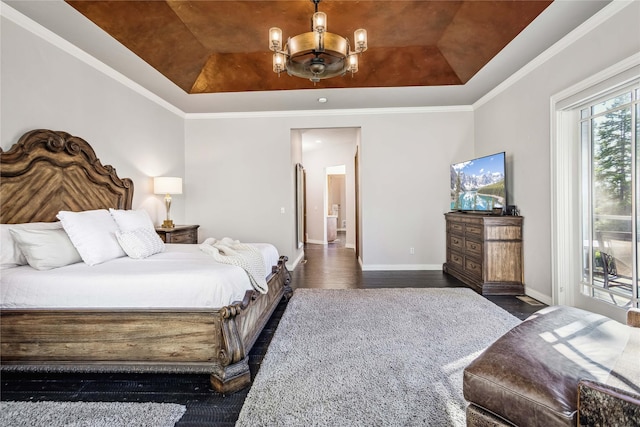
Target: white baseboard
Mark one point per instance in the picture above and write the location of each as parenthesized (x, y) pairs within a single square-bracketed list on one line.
[(320, 242), (292, 265), (400, 267), (537, 295), (316, 242)]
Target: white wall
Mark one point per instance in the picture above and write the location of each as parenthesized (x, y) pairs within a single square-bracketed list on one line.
[(44, 86), (517, 120), (240, 170), (405, 162), (242, 176)]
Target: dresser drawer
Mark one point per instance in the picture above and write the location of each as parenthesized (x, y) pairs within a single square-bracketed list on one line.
[(179, 234), (473, 247), (456, 227), (473, 230), (455, 259), (184, 237), (473, 267), (456, 242)]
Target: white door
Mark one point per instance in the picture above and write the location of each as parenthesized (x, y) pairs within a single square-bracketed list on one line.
[(609, 208)]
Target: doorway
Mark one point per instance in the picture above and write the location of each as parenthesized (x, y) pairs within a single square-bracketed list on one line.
[(336, 202), (321, 151)]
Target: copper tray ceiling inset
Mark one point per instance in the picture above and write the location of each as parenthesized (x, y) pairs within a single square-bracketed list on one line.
[(222, 46)]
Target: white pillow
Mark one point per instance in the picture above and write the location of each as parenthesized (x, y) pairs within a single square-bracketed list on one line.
[(10, 253), (140, 243), (93, 233), (129, 220), (46, 249)]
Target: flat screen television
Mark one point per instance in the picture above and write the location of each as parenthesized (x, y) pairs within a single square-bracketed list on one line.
[(478, 185)]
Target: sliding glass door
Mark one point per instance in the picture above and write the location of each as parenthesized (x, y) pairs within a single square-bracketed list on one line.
[(610, 191)]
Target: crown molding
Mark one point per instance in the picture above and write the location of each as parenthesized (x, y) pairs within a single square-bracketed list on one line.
[(52, 38), (589, 25), (328, 113), (589, 82)]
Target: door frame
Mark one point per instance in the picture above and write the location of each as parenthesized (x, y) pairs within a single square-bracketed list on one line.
[(566, 247)]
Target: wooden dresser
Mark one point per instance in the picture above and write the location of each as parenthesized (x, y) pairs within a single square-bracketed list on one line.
[(179, 234), (485, 252)]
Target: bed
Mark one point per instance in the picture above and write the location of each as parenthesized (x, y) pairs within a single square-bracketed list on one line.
[(46, 172)]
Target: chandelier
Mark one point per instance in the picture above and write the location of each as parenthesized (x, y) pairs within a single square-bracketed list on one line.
[(318, 54)]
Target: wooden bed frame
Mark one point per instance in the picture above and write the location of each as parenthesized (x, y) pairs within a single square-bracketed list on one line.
[(48, 171)]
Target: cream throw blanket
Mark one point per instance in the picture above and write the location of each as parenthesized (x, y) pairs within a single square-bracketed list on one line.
[(248, 257)]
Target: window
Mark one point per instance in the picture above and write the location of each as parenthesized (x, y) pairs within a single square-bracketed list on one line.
[(609, 132)]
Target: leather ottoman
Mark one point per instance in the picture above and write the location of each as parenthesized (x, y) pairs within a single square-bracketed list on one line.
[(530, 376)]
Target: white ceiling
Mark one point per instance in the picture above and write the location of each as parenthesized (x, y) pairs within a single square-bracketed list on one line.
[(560, 18)]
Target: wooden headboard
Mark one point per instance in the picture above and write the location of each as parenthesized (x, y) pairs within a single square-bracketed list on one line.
[(48, 171)]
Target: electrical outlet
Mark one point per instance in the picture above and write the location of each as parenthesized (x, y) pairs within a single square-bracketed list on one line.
[(412, 251)]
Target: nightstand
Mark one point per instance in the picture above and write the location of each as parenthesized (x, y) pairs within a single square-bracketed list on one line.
[(179, 234)]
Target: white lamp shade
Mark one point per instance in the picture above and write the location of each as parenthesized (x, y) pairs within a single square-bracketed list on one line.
[(167, 185)]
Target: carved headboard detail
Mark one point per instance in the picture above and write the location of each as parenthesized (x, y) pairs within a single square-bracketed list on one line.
[(48, 171)]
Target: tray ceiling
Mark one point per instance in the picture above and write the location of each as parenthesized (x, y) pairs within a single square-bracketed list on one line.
[(222, 46)]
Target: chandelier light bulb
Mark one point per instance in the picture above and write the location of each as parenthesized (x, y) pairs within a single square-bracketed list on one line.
[(360, 37), (320, 22), (275, 39), (278, 63), (353, 63)]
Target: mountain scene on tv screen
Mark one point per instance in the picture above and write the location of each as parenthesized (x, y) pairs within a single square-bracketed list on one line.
[(478, 185)]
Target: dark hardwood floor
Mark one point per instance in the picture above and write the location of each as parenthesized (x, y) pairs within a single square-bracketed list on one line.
[(331, 266)]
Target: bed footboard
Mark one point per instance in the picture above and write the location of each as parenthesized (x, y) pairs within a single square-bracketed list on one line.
[(241, 326)]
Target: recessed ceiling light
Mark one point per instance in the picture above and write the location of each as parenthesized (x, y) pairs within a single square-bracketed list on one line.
[(322, 100), (318, 141)]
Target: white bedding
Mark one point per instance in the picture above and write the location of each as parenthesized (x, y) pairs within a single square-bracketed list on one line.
[(181, 277)]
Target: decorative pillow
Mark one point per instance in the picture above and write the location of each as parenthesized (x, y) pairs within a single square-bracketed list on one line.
[(46, 249), (10, 253), (140, 243), (129, 220), (93, 233)]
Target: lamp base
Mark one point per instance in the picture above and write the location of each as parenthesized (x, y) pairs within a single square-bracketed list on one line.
[(168, 223)]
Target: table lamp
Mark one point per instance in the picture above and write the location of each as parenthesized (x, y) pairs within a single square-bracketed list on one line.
[(167, 185)]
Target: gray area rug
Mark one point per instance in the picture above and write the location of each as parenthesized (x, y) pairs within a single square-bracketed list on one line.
[(372, 357), (89, 414)]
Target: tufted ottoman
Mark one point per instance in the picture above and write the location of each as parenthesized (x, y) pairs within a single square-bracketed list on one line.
[(530, 376)]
